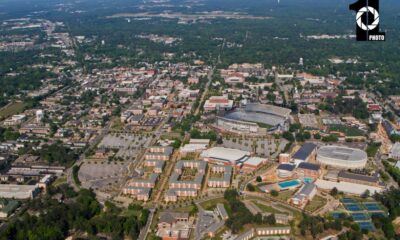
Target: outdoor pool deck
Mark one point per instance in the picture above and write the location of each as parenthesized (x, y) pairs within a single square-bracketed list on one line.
[(289, 184)]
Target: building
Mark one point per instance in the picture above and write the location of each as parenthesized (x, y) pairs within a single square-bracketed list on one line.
[(225, 156), (395, 151), (252, 164), (140, 188), (264, 231), (342, 157), (285, 170), (305, 153), (186, 180), (347, 187), (15, 120), (159, 153), (222, 211), (308, 170), (173, 226), (345, 176), (7, 207), (218, 103), (284, 158), (263, 114), (234, 78), (194, 146), (13, 191), (305, 194), (157, 165), (220, 177), (389, 128)]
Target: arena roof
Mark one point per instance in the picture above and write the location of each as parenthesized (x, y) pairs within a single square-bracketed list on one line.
[(225, 154), (342, 153)]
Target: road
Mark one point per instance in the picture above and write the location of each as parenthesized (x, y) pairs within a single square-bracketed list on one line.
[(379, 164), (145, 229), (70, 178)]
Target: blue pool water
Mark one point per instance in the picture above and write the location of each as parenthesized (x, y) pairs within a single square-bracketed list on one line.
[(308, 180), (289, 184)]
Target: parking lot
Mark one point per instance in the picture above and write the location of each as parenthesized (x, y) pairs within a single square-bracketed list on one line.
[(101, 175), (262, 146), (128, 145)]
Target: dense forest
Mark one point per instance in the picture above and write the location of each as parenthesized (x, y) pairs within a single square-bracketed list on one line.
[(79, 212)]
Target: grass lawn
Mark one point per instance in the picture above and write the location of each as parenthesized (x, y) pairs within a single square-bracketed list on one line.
[(349, 131), (59, 181), (266, 208), (210, 205), (284, 195), (117, 125), (316, 203), (12, 109)]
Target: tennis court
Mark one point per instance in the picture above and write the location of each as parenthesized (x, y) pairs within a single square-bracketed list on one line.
[(366, 226), (348, 200), (357, 217), (352, 207), (372, 206), (338, 215)]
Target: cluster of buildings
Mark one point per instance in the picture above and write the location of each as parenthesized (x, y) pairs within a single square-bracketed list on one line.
[(140, 187), (186, 180)]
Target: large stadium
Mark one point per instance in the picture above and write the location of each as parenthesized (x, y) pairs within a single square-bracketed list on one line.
[(248, 119), (342, 157)]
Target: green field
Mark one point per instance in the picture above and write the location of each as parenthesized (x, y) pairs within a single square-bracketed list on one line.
[(315, 204), (349, 131), (12, 109)]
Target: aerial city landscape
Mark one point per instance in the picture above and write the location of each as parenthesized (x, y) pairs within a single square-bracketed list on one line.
[(197, 119)]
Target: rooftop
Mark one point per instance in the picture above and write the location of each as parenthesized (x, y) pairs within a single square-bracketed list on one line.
[(304, 152), (225, 154), (342, 153)]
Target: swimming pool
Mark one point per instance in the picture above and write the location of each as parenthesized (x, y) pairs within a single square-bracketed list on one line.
[(289, 184), (308, 180)]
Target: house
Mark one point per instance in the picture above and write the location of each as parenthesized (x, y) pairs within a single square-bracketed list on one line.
[(395, 151), (252, 164), (308, 170), (173, 226), (285, 170), (305, 194), (305, 153), (100, 153)]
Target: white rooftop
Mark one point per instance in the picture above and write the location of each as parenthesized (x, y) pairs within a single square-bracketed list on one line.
[(255, 161), (225, 154), (17, 191), (352, 188)]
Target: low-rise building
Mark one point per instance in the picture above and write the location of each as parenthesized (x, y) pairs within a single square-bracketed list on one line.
[(345, 176), (308, 170), (395, 151), (218, 103), (305, 194), (186, 180), (220, 177), (305, 153), (285, 170), (173, 226)]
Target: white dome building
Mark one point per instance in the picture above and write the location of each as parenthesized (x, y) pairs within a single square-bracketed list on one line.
[(342, 157)]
